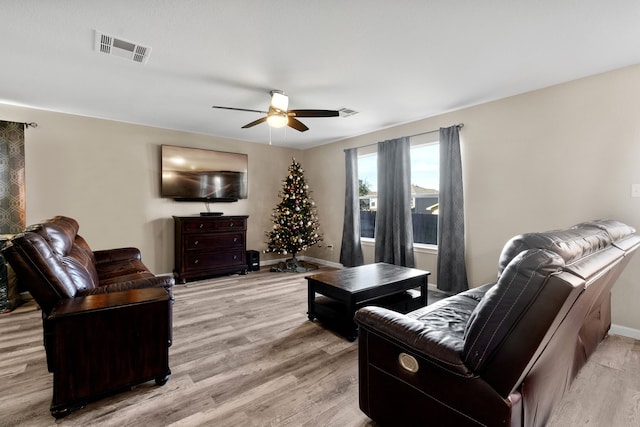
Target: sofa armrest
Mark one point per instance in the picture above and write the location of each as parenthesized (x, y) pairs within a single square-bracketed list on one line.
[(92, 305), (100, 344), (108, 256), (84, 304), (165, 282), (438, 346), (411, 373)]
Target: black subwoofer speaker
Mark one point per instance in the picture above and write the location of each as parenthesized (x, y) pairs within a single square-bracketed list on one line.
[(253, 260)]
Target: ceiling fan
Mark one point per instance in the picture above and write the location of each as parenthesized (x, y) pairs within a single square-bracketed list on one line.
[(279, 115)]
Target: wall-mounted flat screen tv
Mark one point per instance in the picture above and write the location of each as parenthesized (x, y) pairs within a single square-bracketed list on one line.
[(194, 174)]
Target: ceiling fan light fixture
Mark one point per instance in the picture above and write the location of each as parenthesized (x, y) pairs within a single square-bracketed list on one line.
[(280, 116), (278, 120), (279, 100)]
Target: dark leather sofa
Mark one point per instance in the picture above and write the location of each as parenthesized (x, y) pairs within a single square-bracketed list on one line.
[(503, 353), (106, 318)]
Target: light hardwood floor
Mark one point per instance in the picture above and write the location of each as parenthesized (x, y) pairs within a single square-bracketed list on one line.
[(244, 354)]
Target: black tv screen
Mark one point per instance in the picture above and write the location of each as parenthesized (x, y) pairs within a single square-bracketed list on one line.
[(194, 174)]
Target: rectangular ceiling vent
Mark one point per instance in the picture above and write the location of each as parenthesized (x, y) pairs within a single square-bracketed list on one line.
[(124, 49), (346, 112)]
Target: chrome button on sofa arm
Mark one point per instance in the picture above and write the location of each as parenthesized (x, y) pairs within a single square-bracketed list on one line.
[(408, 362)]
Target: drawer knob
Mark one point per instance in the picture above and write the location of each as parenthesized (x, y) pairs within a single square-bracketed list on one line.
[(235, 239), (235, 257), (201, 225), (231, 224), (408, 362), (195, 243), (195, 261)]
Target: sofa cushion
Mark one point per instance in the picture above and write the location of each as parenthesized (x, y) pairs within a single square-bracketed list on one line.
[(81, 244), (58, 233), (81, 269), (137, 282), (435, 331), (623, 235), (61, 233), (506, 302), (451, 314), (571, 245), (615, 229)]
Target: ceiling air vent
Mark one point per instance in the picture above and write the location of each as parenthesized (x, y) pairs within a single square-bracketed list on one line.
[(124, 49), (346, 112)]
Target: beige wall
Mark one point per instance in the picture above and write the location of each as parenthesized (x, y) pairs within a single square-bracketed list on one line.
[(541, 160), (106, 175)]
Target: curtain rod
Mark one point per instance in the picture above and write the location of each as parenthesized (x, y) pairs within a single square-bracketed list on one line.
[(26, 124), (459, 125)]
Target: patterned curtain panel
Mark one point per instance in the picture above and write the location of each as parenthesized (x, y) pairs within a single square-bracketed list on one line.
[(12, 193)]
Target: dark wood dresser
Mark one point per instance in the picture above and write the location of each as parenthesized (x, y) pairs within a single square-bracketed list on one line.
[(206, 246)]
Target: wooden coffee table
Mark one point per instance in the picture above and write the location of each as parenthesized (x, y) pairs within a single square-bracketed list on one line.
[(335, 296)]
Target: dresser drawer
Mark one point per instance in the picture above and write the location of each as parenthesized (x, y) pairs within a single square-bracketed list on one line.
[(220, 224), (213, 241), (215, 259)]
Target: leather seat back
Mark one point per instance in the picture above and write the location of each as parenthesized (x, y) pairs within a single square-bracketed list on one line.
[(572, 244), (541, 277), (53, 261), (515, 315)]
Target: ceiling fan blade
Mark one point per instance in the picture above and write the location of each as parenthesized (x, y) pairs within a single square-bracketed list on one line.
[(255, 122), (239, 109), (297, 124), (313, 113)]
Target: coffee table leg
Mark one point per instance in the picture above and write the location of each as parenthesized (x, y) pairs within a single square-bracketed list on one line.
[(311, 299), (351, 327), (423, 291)]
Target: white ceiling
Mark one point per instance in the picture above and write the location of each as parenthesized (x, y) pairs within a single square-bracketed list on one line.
[(392, 61)]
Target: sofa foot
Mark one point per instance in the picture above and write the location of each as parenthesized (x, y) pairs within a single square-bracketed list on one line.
[(61, 412), (160, 381)]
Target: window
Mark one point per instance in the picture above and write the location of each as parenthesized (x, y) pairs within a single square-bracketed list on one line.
[(425, 177)]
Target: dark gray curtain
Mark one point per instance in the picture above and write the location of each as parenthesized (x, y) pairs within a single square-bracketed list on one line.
[(452, 271), (12, 193), (394, 227), (351, 249)]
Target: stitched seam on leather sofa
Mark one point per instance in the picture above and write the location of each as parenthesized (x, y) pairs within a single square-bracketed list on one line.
[(471, 350)]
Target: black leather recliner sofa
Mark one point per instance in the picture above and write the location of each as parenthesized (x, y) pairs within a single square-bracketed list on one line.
[(503, 353)]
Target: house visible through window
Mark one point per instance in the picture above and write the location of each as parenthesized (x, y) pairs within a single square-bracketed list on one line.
[(425, 172)]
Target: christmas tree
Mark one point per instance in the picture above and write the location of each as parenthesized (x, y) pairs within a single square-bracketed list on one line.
[(295, 224)]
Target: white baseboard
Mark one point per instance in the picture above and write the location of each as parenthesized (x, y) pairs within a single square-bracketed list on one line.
[(302, 258), (322, 262), (625, 332)]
